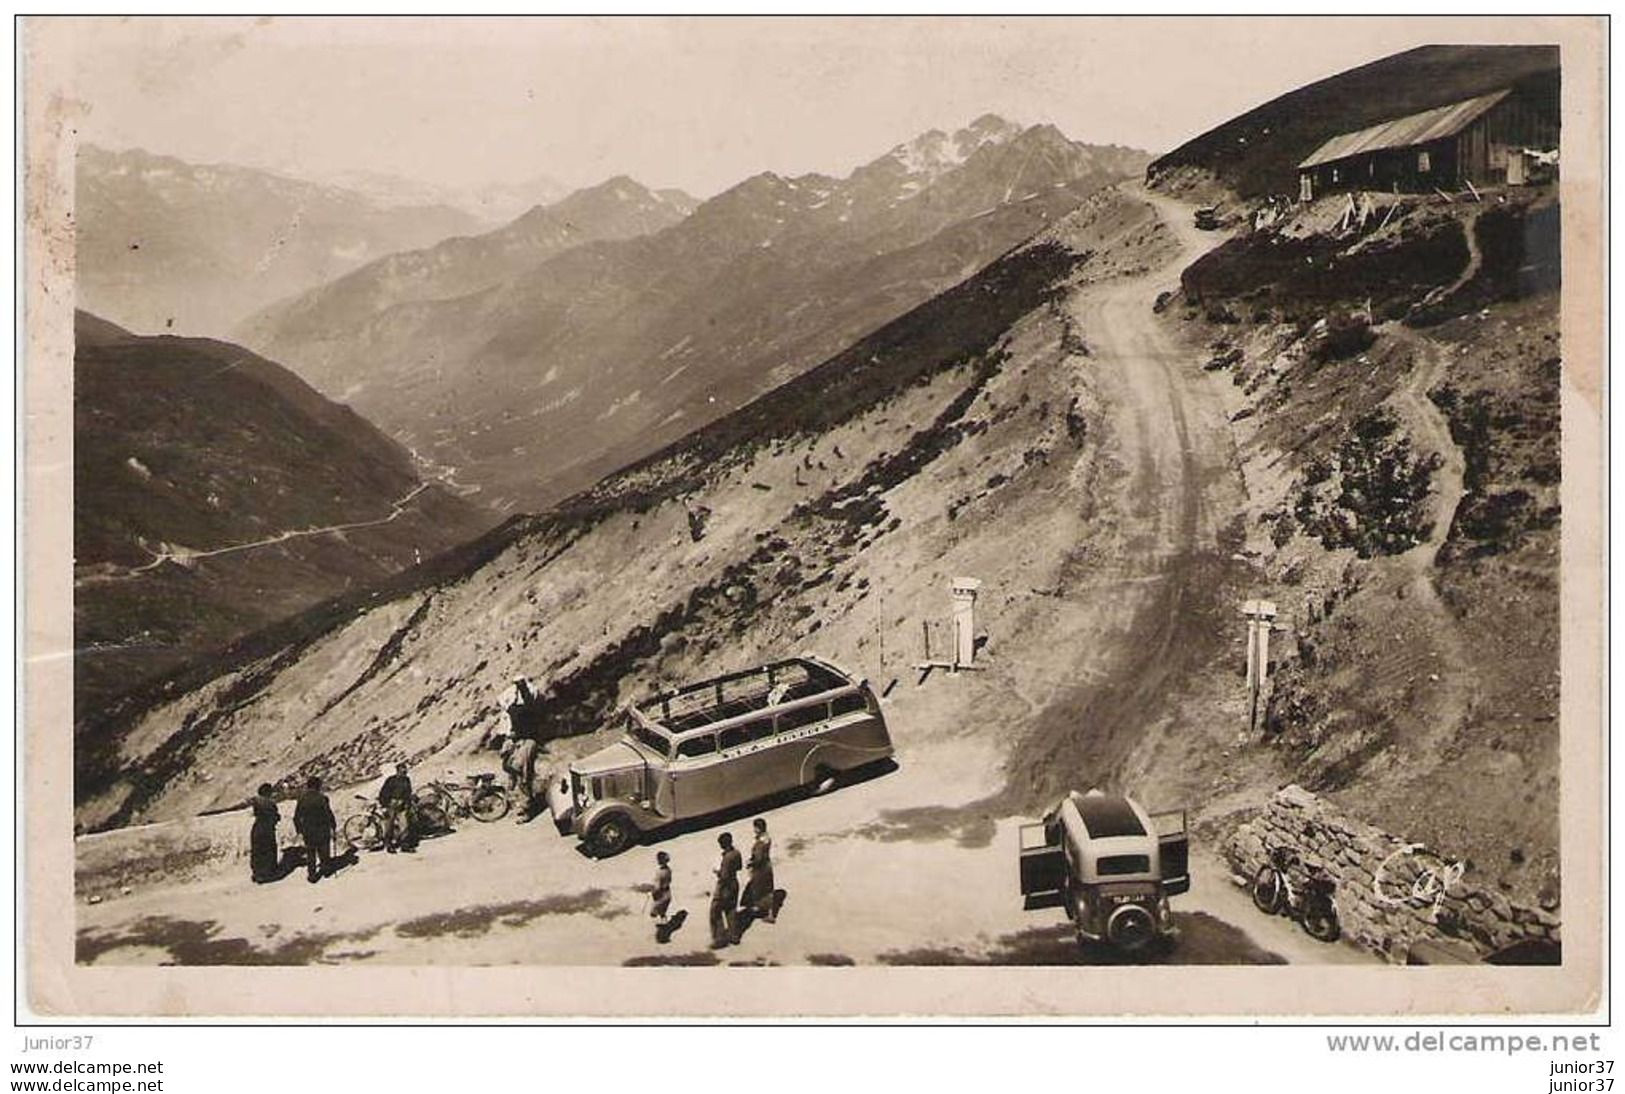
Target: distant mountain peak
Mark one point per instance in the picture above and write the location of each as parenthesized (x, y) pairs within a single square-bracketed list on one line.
[(935, 152), (993, 123)]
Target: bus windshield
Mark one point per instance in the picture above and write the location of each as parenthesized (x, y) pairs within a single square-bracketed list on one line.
[(650, 738)]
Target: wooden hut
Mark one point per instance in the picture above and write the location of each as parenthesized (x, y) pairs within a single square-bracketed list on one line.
[(1485, 140)]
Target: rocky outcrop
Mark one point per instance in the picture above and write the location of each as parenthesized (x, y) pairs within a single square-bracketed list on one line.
[(1392, 894)]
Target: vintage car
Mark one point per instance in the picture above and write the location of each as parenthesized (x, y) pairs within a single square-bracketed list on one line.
[(708, 746), (1110, 864)]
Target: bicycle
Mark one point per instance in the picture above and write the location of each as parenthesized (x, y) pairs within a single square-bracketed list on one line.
[(1310, 903), (365, 830), (477, 796)]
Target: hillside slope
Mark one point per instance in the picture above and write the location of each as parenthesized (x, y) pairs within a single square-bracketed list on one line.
[(537, 387), (1397, 399), (617, 209), (830, 493), (188, 451), (1257, 153), (166, 245)]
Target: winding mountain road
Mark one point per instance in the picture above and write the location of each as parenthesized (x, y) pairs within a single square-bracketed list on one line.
[(185, 556)]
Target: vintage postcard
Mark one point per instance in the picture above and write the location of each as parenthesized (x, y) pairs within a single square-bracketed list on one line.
[(1041, 517)]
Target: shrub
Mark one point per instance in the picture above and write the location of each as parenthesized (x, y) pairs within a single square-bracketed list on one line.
[(1345, 336)]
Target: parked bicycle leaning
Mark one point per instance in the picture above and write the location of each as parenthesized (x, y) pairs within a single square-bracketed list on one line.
[(476, 796), (1309, 900), (367, 829)]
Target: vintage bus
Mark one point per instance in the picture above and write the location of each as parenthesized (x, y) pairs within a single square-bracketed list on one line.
[(708, 746)]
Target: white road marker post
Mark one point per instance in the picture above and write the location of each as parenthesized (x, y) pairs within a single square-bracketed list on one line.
[(962, 652), (964, 593), (1260, 619)]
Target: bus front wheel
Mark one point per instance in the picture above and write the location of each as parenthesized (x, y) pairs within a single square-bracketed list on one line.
[(610, 835)]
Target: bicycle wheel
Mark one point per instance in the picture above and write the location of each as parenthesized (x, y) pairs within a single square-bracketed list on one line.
[(490, 804), (431, 818), (1321, 923), (439, 798), (364, 830), (1268, 892)]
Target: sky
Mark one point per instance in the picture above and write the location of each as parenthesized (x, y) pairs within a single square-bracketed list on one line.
[(695, 103)]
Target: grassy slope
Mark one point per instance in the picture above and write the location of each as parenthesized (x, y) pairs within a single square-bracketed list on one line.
[(202, 445)]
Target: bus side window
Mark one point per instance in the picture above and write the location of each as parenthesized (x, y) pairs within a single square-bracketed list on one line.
[(734, 736), (850, 703), (698, 746), (804, 716)]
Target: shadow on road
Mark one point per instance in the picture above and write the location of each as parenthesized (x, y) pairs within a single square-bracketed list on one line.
[(1202, 940)]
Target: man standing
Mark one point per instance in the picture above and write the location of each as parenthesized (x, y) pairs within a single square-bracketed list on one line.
[(395, 796), (524, 730), (725, 895), (314, 821)]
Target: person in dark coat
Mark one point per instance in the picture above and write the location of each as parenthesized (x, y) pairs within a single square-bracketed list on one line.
[(525, 739), (262, 848), (314, 821), (757, 900), (725, 895), (396, 798)]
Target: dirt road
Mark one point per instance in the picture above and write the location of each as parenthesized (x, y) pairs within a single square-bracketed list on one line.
[(914, 867), (187, 557)]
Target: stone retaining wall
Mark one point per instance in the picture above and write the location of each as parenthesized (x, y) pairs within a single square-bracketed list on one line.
[(1391, 893), (106, 863)]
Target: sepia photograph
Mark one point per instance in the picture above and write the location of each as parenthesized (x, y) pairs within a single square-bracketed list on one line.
[(968, 515)]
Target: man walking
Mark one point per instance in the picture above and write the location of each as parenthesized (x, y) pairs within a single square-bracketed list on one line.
[(314, 821), (395, 797), (725, 895), (660, 896)]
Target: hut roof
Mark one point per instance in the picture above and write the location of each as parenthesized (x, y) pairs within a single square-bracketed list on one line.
[(1428, 125)]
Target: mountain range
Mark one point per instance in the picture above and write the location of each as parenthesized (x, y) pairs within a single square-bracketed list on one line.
[(536, 385), (492, 203), (167, 245)]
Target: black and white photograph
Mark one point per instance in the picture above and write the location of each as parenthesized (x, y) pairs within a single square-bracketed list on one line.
[(1110, 501)]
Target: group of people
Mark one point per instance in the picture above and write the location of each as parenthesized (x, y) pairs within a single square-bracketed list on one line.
[(731, 909), (313, 819), (316, 826)]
